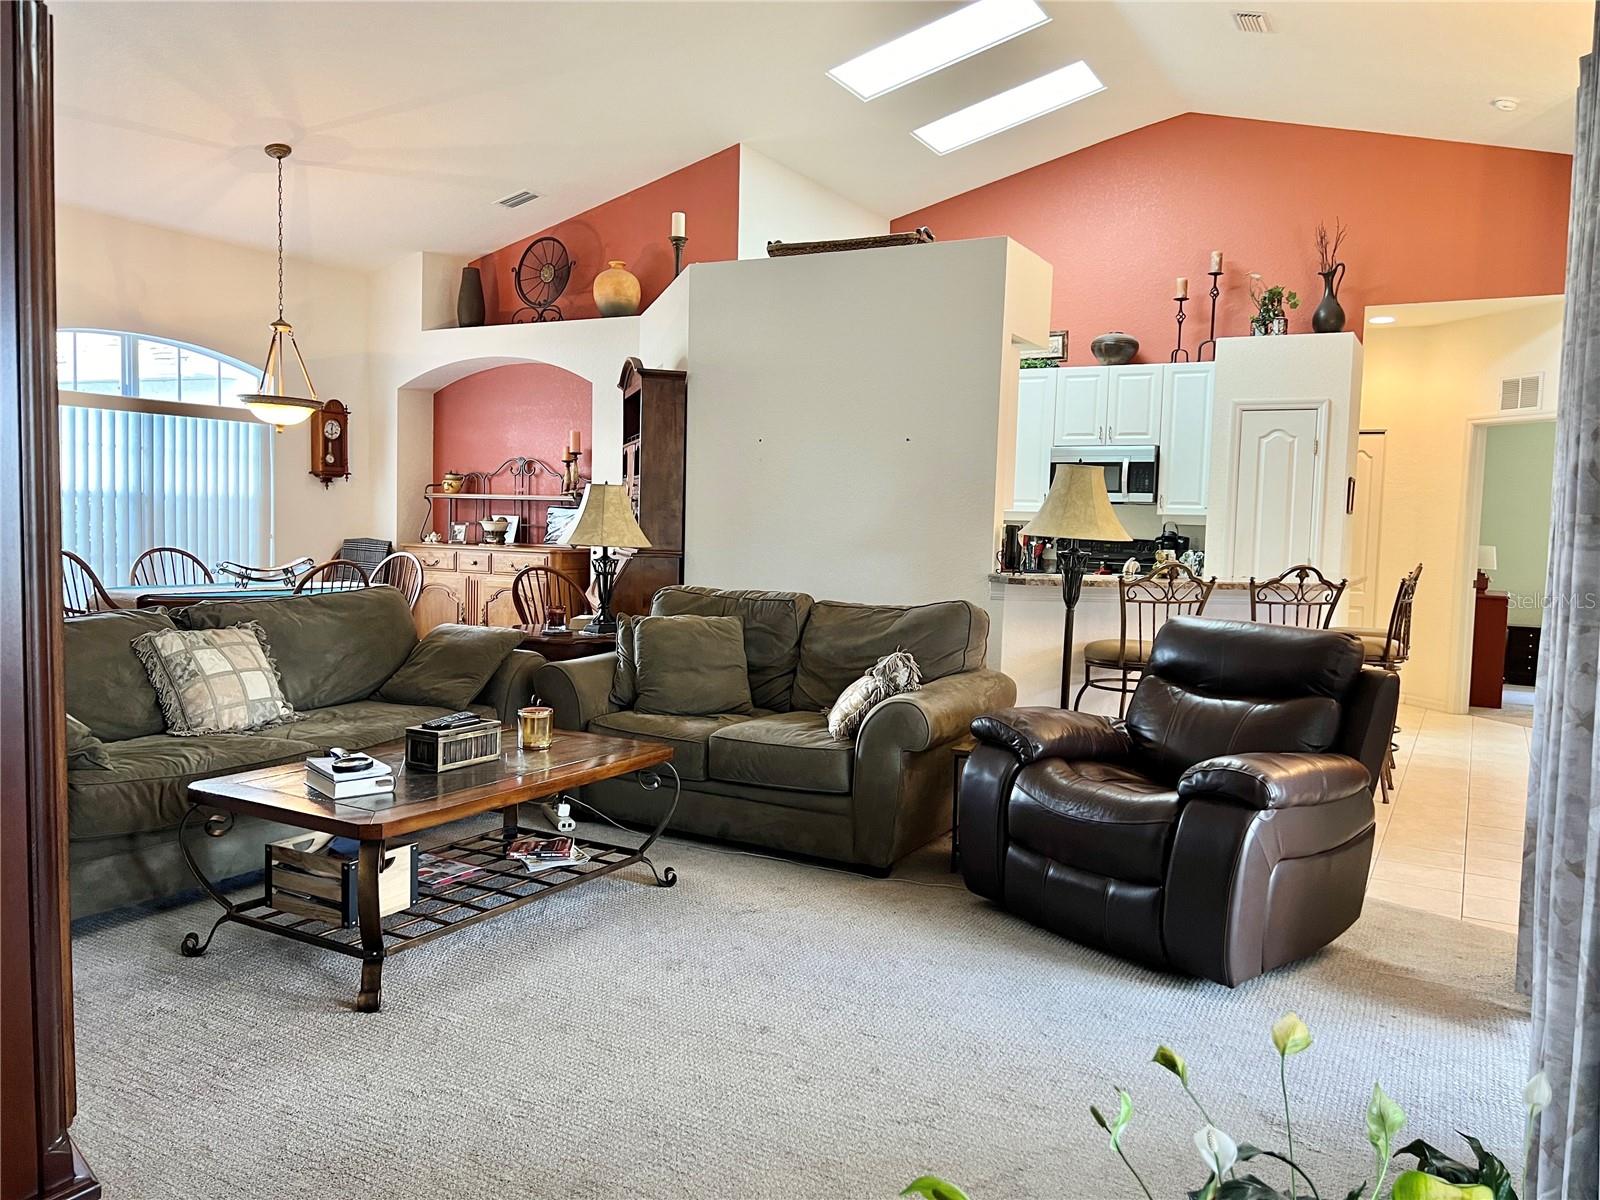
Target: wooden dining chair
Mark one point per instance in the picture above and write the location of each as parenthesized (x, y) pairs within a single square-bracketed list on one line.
[(1389, 648), (82, 592), (1301, 596), (536, 590), (335, 575), (1170, 590), (401, 570), (168, 565)]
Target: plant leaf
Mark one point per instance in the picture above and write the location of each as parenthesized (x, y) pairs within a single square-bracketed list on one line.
[(1433, 1161), (1356, 1194), (1248, 1188), (1124, 1115), (1492, 1172), (1290, 1035), (1247, 1151), (1384, 1120), (931, 1187), (1166, 1056)]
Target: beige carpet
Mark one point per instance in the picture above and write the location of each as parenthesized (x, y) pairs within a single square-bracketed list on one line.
[(765, 1029)]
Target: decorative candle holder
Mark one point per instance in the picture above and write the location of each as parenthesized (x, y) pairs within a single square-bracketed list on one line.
[(677, 254), (1200, 351), (569, 470), (1180, 354)]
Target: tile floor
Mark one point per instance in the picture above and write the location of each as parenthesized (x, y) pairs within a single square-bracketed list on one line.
[(1451, 840)]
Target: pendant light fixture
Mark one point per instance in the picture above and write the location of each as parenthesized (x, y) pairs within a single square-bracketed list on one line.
[(273, 402)]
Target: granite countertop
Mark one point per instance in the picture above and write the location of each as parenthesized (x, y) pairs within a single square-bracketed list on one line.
[(1053, 579)]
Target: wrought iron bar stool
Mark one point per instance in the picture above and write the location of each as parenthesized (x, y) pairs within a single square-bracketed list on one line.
[(1389, 648), (1301, 596), (1147, 601)]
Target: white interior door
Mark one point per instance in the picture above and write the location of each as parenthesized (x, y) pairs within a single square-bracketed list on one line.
[(1276, 486), (1364, 607)]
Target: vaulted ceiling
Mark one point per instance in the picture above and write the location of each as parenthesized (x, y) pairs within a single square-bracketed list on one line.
[(410, 119)]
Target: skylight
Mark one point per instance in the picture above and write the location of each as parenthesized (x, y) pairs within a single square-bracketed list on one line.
[(1010, 108), (961, 34)]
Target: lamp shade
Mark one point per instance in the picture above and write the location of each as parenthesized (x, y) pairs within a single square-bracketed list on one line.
[(1077, 507), (1488, 560), (605, 518)]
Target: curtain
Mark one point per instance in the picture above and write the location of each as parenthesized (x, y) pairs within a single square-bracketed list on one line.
[(131, 480), (1558, 948)]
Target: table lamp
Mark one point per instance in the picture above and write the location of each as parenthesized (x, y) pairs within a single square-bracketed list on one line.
[(605, 519), (1488, 560), (1077, 507)]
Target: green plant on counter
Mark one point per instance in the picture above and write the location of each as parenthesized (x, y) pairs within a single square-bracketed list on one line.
[(1436, 1175)]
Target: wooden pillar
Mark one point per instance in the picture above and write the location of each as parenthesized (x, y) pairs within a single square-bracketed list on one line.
[(37, 1157)]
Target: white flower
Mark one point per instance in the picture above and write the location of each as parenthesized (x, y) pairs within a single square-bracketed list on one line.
[(1536, 1094), (1217, 1149)]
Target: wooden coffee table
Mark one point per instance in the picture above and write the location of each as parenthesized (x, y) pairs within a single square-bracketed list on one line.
[(423, 801)]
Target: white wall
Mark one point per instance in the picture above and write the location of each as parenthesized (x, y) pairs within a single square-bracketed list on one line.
[(1424, 387), (780, 205), (118, 274)]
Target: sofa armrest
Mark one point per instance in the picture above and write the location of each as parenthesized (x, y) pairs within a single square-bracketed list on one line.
[(1035, 733), (511, 687), (579, 689), (1272, 781), (935, 713)]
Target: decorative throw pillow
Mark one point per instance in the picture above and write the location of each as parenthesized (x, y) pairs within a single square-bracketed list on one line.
[(625, 675), (84, 750), (214, 680), (691, 666), (889, 676), (450, 666)]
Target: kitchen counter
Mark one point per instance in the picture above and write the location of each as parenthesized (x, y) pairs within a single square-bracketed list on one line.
[(1053, 579)]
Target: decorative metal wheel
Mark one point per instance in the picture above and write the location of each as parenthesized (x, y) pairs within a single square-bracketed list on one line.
[(542, 273)]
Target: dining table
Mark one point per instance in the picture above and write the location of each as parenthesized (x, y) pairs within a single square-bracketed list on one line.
[(178, 595)]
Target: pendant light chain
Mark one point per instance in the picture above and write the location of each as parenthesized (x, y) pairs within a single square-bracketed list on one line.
[(280, 239)]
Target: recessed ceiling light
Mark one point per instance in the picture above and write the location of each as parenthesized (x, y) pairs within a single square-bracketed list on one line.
[(958, 35), (1381, 320), (1009, 109), (1506, 103)]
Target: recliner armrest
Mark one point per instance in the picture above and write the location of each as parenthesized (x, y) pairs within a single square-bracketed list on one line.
[(1035, 733), (1269, 781)]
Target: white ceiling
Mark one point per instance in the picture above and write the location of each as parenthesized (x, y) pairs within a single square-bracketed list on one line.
[(1447, 312), (410, 119)]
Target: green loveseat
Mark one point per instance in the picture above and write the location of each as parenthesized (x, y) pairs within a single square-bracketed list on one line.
[(333, 652), (774, 777)]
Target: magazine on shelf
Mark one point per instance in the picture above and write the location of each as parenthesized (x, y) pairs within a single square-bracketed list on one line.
[(435, 870), (547, 853)]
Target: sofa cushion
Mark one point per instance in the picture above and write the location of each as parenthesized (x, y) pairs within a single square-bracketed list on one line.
[(449, 667), (686, 735), (773, 623), (690, 666), (791, 750), (1099, 817), (363, 723), (144, 789), (625, 674), (842, 640), (213, 680), (107, 687), (329, 648), (84, 750)]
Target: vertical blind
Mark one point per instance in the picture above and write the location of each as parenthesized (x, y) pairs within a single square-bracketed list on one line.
[(131, 480)]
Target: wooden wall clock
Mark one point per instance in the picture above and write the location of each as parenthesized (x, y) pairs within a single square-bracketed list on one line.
[(330, 443)]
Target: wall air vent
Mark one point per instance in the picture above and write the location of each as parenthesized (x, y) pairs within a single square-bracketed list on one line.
[(1252, 22), (1521, 393), (516, 199)]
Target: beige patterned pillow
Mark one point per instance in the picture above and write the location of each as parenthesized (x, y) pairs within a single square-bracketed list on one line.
[(889, 676), (214, 680)]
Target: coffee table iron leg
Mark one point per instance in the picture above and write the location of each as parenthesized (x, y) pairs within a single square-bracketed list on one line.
[(192, 946), (370, 861)]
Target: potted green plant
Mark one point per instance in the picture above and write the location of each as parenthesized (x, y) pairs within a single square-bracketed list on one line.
[(1270, 303)]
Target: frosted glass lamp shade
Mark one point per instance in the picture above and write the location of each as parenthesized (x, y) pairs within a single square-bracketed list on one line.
[(1077, 507), (1487, 559)]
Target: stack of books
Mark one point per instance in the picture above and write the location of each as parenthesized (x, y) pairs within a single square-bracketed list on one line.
[(342, 785)]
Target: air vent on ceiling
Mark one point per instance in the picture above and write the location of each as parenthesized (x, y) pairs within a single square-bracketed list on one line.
[(1521, 392), (516, 199), (1252, 22)]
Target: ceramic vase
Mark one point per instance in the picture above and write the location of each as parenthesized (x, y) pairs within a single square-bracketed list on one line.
[(616, 291), (1329, 317), (1114, 348), (469, 300)]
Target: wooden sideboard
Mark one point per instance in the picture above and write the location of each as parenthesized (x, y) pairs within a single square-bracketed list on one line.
[(471, 584)]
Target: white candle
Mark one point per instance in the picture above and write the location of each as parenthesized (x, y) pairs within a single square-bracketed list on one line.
[(680, 224), (1183, 289), (1216, 261), (575, 441)]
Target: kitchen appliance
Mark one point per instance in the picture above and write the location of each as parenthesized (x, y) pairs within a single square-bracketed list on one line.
[(1130, 470), (1026, 555), (1171, 539)]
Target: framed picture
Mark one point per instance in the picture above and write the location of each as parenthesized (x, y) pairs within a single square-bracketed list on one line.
[(513, 524), (1057, 346), (458, 532), (558, 524)]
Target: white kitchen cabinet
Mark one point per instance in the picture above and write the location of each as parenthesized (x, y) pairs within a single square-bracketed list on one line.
[(1133, 405), (1185, 468), (1080, 405), (1036, 413)]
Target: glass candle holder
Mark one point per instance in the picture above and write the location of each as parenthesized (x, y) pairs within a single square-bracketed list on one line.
[(535, 727)]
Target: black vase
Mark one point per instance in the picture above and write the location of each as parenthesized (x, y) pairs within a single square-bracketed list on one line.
[(1329, 317), (469, 300)]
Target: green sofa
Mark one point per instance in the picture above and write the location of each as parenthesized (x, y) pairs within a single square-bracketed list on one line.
[(774, 777), (333, 652)]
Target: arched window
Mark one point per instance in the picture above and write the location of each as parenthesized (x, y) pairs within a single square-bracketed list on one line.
[(157, 451)]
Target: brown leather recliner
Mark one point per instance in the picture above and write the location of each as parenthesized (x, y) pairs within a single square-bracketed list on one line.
[(1225, 829)]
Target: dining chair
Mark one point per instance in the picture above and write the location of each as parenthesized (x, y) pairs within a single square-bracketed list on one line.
[(1389, 648), (1302, 596), (536, 590), (335, 575), (1147, 602), (168, 565), (401, 570), (82, 592)]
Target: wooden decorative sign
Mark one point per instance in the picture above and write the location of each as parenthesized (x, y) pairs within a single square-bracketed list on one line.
[(330, 443)]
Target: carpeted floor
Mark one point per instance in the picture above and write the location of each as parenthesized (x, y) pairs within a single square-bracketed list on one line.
[(765, 1029)]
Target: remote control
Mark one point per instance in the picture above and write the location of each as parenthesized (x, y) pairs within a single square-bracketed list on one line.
[(453, 721)]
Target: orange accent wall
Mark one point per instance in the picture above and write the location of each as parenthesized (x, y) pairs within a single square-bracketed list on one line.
[(1119, 221), (525, 408), (632, 227)]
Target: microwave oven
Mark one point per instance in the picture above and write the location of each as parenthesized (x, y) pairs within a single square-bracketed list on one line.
[(1130, 470)]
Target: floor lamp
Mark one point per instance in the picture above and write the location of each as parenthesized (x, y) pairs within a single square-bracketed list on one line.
[(1077, 507)]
